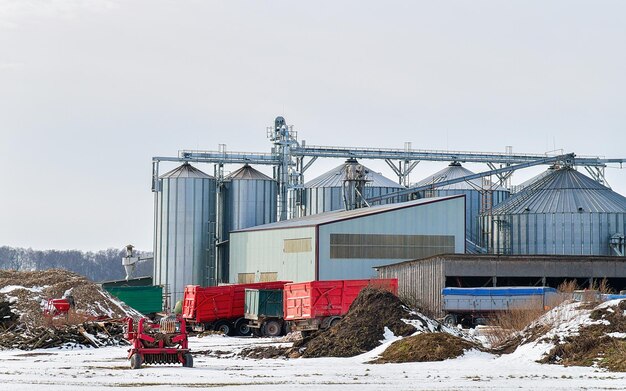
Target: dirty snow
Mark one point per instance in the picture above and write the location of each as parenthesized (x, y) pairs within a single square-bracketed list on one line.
[(107, 368), (11, 288)]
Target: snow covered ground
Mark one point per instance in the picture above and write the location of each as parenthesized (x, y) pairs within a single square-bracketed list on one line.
[(107, 368)]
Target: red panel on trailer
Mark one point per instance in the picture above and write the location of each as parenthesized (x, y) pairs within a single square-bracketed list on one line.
[(208, 304), (315, 299)]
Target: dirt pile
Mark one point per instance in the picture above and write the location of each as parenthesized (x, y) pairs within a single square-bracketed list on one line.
[(23, 295), (363, 327), (94, 334), (600, 341), (425, 347), (27, 292)]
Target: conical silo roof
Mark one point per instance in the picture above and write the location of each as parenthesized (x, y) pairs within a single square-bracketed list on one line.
[(454, 171), (185, 170), (335, 178), (248, 173), (534, 179), (563, 190)]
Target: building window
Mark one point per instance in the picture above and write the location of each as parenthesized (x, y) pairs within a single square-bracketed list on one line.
[(302, 245), (373, 246), (269, 276), (245, 278)]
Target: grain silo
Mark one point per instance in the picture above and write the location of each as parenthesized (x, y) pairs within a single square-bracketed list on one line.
[(480, 195), (184, 230), (562, 212), (250, 200), (325, 193)]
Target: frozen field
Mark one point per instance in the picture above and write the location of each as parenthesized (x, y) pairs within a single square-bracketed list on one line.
[(107, 368)]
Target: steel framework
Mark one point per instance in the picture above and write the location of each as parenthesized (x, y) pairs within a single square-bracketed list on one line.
[(288, 159)]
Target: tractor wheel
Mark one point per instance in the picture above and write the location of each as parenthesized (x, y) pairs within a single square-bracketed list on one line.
[(272, 328), (450, 320), (188, 360), (135, 361), (333, 322), (224, 327), (242, 328)]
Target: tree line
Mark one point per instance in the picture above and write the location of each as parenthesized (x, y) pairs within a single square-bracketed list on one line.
[(103, 265)]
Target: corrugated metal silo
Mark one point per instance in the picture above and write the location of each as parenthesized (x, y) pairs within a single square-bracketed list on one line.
[(562, 212), (474, 201), (325, 193), (250, 200), (184, 228)]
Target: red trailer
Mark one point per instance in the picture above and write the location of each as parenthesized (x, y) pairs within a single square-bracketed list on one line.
[(221, 308), (315, 305)]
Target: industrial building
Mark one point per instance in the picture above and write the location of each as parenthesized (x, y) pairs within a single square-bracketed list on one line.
[(422, 280), (347, 244), (562, 212), (248, 199), (184, 208), (559, 212)]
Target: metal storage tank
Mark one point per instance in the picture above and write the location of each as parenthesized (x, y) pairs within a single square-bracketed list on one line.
[(184, 230), (325, 193), (473, 198), (562, 212), (250, 200)]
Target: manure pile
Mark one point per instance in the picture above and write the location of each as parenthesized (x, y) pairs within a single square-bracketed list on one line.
[(577, 334), (23, 295), (425, 347), (601, 341), (363, 327), (371, 317)]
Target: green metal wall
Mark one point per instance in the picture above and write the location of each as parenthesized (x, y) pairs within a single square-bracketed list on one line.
[(145, 299)]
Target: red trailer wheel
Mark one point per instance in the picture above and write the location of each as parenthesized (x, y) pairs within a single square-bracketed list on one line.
[(225, 327), (272, 328)]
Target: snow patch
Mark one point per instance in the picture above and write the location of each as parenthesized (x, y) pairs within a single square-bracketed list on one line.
[(11, 288), (387, 335)]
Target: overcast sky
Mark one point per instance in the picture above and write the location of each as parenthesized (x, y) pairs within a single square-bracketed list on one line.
[(91, 90)]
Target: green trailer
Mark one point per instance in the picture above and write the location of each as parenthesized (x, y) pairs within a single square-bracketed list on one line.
[(145, 299), (264, 311)]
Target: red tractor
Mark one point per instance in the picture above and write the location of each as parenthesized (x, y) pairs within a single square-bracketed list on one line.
[(158, 343)]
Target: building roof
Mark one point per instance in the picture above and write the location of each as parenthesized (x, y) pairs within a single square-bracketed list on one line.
[(511, 258), (186, 170), (248, 173), (335, 177), (454, 171), (563, 190), (334, 216), (534, 179)]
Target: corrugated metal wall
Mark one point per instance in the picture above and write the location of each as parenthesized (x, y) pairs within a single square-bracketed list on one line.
[(264, 252), (419, 283), (553, 233), (437, 218), (184, 211)]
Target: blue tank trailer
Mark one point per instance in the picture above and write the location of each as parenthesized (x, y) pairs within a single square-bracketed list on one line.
[(470, 307)]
